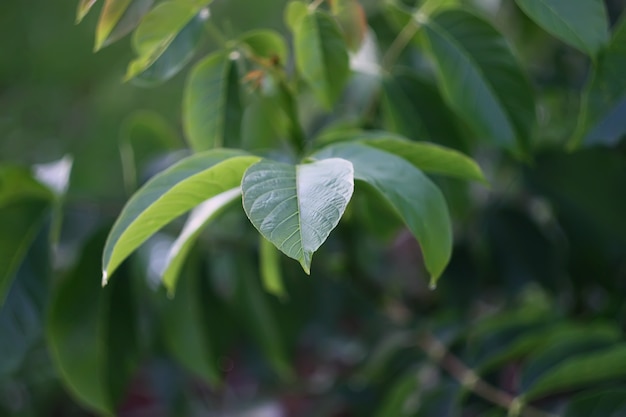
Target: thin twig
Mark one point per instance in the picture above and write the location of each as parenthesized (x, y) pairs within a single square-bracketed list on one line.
[(399, 43)]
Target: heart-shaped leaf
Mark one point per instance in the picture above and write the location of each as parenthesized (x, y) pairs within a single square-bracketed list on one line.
[(297, 206), (170, 194)]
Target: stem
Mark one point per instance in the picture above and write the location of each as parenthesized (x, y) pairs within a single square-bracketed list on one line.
[(438, 352), (399, 43)]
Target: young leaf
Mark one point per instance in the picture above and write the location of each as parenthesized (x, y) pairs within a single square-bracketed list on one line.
[(352, 20), (480, 78), (604, 102), (417, 200), (295, 11), (266, 44), (212, 105), (269, 263), (297, 206), (199, 218), (168, 195), (118, 18), (83, 8), (157, 31), (321, 56), (583, 23)]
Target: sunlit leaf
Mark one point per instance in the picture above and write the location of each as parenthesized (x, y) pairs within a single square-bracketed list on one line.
[(321, 56), (583, 24), (416, 199), (168, 195), (297, 206), (118, 18), (83, 8), (295, 11)]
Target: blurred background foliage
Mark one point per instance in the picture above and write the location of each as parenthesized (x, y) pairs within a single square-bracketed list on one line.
[(537, 278)]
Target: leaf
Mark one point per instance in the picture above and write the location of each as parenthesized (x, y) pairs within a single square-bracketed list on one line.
[(582, 24), (211, 105), (199, 218), (352, 20), (395, 402), (118, 18), (416, 199), (158, 29), (321, 56), (83, 8), (266, 44), (607, 402), (480, 78), (581, 371), (295, 11), (603, 108), (168, 195), (269, 262), (297, 206), (264, 123)]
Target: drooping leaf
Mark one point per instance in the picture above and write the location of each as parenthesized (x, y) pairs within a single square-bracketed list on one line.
[(118, 18), (321, 56), (265, 43), (581, 371), (583, 24), (198, 219), (168, 195), (395, 401), (297, 206), (352, 20), (83, 8), (158, 29), (212, 105), (606, 402), (269, 262), (603, 110), (480, 78), (417, 200), (264, 122)]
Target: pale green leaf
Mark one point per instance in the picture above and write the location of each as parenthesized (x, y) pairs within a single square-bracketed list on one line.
[(83, 8), (297, 206), (269, 262), (295, 11), (266, 44), (212, 105), (118, 18), (416, 199), (583, 24), (321, 56), (168, 195)]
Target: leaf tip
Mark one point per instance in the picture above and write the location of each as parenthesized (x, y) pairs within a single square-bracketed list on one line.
[(433, 283), (105, 278)]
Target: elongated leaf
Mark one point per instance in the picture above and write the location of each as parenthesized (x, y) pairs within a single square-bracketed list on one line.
[(580, 371), (352, 20), (395, 402), (583, 23), (295, 11), (168, 195), (271, 275), (197, 221), (608, 402), (83, 8), (296, 207), (118, 18), (480, 78), (416, 199), (211, 107), (266, 44), (602, 118), (264, 123), (321, 56), (157, 31)]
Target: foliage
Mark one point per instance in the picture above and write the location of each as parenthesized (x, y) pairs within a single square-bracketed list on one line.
[(345, 129)]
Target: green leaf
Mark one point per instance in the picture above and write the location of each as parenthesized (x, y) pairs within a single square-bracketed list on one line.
[(297, 206), (211, 105), (608, 402), (269, 262), (416, 199), (321, 56), (295, 11), (604, 101), (395, 402), (168, 195), (581, 371), (352, 20), (267, 44), (118, 18), (583, 23), (263, 123), (157, 31), (199, 218), (83, 8), (480, 78)]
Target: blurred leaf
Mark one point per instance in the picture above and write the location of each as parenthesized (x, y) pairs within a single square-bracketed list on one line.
[(83, 8), (352, 20), (396, 399), (295, 11), (266, 44), (480, 78), (429, 7), (263, 123), (416, 199), (321, 56), (200, 216), (185, 332), (118, 18), (168, 195), (583, 24), (296, 207), (17, 183), (158, 29), (581, 371), (271, 274), (605, 403), (211, 107), (602, 119)]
